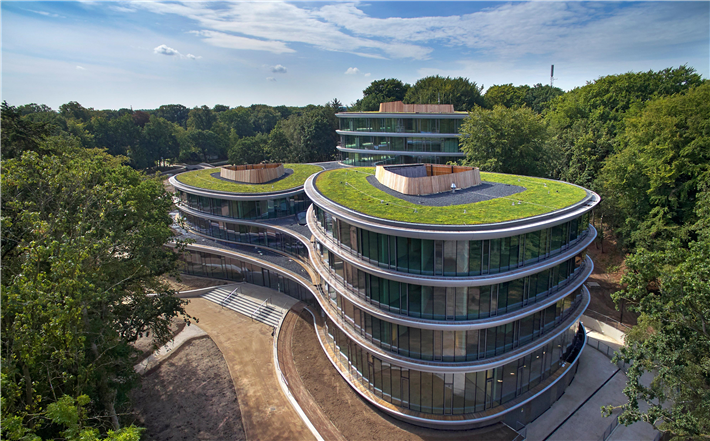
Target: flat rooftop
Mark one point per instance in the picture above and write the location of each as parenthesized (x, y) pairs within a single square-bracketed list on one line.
[(500, 198), (205, 179)]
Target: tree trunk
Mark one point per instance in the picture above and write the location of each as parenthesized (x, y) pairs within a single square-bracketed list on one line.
[(28, 384)]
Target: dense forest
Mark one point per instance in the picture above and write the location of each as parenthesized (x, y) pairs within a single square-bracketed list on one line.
[(173, 132), (82, 228)]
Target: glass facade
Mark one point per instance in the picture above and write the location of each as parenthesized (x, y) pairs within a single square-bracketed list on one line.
[(369, 159), (394, 361), (448, 303), (453, 346), (402, 125), (247, 234), (457, 393), (263, 209), (462, 258), (448, 145), (199, 263)]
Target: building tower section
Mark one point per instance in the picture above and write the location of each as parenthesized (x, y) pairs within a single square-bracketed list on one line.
[(457, 309), (400, 134)]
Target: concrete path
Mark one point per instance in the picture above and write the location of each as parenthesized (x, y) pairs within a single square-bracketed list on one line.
[(247, 348), (187, 334), (577, 414)]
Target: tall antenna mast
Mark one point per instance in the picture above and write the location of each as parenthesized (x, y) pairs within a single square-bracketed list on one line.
[(552, 75)]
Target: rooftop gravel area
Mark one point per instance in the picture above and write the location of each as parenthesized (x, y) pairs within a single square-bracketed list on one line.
[(350, 188), (204, 179)]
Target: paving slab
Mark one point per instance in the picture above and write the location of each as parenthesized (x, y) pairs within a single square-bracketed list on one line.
[(594, 369)]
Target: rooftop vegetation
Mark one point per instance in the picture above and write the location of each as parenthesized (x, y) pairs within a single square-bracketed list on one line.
[(204, 179), (349, 187)]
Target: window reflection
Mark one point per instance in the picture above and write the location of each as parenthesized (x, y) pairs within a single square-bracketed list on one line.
[(458, 393), (451, 258)]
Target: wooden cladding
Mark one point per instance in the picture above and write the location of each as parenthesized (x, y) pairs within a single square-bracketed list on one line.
[(400, 107), (253, 173), (424, 179)]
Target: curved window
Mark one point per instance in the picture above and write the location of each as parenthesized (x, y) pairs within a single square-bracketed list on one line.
[(401, 125), (451, 346), (248, 234), (446, 303), (405, 144), (263, 209), (451, 394), (451, 258), (199, 263), (370, 159)]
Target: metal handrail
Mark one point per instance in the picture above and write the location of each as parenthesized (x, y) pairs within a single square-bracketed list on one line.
[(226, 299), (608, 320), (257, 309)]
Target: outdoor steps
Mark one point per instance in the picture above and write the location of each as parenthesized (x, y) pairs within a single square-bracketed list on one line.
[(266, 313)]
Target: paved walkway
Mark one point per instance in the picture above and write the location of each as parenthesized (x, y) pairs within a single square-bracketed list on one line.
[(247, 348), (577, 414), (157, 357)]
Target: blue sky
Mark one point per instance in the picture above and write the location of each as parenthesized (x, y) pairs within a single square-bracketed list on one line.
[(144, 54)]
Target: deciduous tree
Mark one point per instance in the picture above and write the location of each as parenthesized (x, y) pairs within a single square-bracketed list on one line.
[(506, 140)]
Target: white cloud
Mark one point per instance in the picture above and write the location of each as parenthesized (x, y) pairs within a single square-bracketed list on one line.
[(80, 68), (45, 13), (229, 41), (352, 71), (271, 25), (165, 50), (367, 74), (270, 79), (278, 69)]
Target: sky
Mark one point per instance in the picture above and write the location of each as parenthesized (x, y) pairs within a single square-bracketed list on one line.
[(110, 55)]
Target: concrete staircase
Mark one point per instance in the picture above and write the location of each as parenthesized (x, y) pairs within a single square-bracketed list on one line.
[(247, 306)]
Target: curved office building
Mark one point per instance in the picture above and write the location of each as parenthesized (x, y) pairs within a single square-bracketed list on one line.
[(241, 217), (450, 313), (400, 134), (450, 310)]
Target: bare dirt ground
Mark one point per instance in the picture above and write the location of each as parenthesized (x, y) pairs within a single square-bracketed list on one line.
[(354, 418), (608, 269), (145, 344), (190, 396), (247, 348)]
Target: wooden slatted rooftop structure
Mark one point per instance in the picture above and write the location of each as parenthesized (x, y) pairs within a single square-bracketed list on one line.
[(422, 179), (253, 173), (400, 107)]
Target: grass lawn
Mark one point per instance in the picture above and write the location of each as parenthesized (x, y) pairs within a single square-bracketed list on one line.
[(349, 187), (203, 179)]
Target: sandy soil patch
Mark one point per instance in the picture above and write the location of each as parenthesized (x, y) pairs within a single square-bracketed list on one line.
[(190, 396)]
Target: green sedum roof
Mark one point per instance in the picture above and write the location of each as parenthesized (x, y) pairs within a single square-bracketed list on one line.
[(203, 179), (349, 188)]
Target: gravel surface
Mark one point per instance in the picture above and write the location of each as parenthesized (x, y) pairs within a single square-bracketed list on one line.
[(288, 173), (484, 192)]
